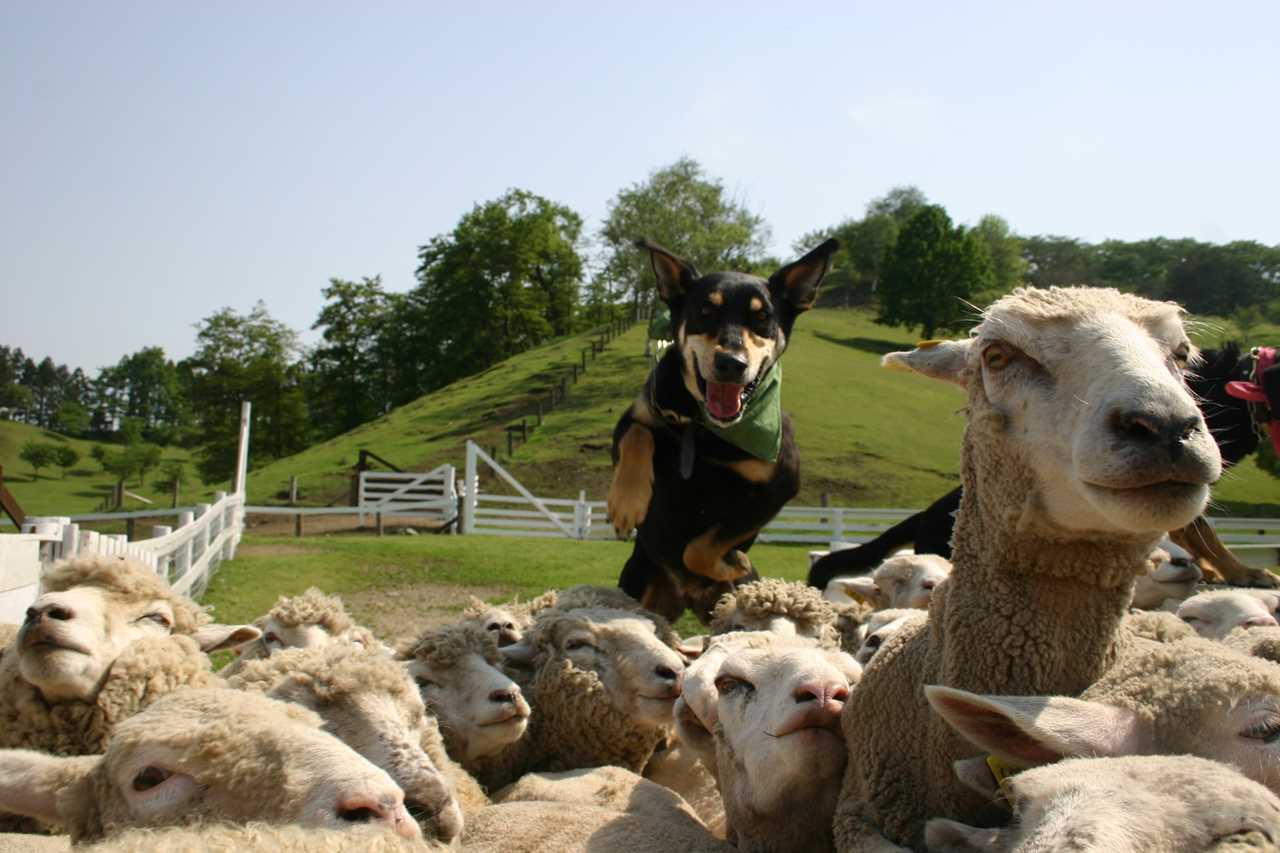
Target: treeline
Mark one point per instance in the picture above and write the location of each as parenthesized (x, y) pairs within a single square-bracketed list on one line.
[(518, 271)]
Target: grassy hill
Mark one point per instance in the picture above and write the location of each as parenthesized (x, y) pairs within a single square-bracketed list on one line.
[(85, 484), (867, 436)]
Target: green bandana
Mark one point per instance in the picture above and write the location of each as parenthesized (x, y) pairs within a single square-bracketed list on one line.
[(759, 431)]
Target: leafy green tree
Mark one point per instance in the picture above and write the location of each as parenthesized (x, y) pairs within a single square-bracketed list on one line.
[(900, 203), (38, 454), (505, 279), (1223, 279), (687, 211), (1004, 248), (64, 456), (352, 370), (171, 478), (252, 357), (72, 418), (933, 270), (1053, 259)]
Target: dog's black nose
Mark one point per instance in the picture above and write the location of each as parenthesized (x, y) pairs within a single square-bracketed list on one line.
[(730, 367)]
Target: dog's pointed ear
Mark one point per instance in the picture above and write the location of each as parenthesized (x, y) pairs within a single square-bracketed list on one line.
[(797, 283), (673, 273)]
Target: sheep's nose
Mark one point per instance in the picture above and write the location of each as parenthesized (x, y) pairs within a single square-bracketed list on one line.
[(1153, 429), (827, 694), (928, 585), (730, 366), (508, 637), (386, 809), (1259, 621), (60, 612), (505, 696)]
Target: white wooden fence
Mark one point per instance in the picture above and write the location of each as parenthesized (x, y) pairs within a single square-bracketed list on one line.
[(432, 494)]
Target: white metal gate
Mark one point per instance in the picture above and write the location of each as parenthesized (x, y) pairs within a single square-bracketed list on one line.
[(433, 494)]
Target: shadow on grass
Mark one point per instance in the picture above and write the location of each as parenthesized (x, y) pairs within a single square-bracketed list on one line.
[(878, 346)]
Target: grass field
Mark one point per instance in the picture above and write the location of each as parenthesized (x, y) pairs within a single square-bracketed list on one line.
[(85, 485), (399, 584)]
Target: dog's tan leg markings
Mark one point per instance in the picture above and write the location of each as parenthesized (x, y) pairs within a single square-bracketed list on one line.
[(753, 470), (1200, 539), (632, 486), (713, 557)]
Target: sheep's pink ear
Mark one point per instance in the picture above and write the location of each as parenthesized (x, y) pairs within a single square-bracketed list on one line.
[(691, 648), (862, 588), (945, 360), (213, 637), (30, 781), (943, 834), (1026, 731)]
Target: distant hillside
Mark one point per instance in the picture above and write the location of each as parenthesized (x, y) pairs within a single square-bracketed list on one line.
[(867, 436)]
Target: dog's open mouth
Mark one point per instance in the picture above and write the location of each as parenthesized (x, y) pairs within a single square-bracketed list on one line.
[(726, 400)]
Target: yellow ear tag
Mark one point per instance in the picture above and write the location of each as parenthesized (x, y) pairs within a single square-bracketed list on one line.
[(927, 344), (999, 771)]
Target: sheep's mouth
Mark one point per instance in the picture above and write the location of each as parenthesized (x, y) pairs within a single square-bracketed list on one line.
[(811, 721), (510, 717), (1163, 491), (42, 642)]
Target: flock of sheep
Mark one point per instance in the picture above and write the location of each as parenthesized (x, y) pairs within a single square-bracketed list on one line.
[(1059, 685)]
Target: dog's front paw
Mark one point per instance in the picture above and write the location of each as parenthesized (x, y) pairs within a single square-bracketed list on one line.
[(733, 566), (628, 503)]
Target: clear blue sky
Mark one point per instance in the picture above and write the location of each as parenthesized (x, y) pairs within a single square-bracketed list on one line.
[(161, 160)]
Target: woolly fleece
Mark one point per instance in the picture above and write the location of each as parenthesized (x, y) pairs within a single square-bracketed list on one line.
[(758, 601), (1261, 642), (550, 827), (1158, 626), (221, 838)]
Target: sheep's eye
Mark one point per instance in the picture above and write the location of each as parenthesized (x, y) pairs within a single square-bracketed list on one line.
[(574, 645), (1267, 731), (158, 618), (997, 356), (873, 642), (1190, 618), (150, 777), (272, 639), (424, 682), (727, 684)]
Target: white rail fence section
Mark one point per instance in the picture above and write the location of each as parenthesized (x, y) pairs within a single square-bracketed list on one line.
[(433, 494)]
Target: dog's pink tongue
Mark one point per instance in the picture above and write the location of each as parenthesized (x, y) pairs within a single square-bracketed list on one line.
[(724, 400)]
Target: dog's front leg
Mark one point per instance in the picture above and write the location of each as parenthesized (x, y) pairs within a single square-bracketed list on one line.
[(632, 487), (714, 556)]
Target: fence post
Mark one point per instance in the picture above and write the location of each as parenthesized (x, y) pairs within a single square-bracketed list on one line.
[(838, 533), (239, 484), (510, 447), (202, 538), (70, 540), (582, 516), (469, 485), (293, 490), (130, 528), (539, 413), (183, 556), (164, 562), (297, 525), (524, 430), (378, 521)]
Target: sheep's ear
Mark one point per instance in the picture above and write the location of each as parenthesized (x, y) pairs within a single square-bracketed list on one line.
[(955, 837), (521, 653), (945, 360), (691, 649), (30, 781), (796, 284), (673, 273), (1027, 731), (863, 588), (214, 636)]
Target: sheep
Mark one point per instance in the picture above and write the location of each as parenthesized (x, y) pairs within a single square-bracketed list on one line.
[(1194, 697), (764, 712), (307, 621), (784, 607), (371, 704), (1261, 642), (880, 628), (1153, 804), (1157, 625), (1171, 578), (1216, 613), (106, 638), (506, 623), (1062, 503), (602, 686), (7, 633), (232, 838), (904, 581), (205, 755), (482, 712)]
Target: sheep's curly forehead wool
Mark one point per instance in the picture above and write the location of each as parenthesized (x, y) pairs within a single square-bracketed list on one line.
[(188, 716), (1052, 304), (1176, 684), (800, 603), (313, 607), (126, 580), (444, 647), (554, 621), (330, 673)]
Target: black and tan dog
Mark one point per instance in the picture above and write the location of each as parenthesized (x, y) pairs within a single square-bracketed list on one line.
[(705, 457)]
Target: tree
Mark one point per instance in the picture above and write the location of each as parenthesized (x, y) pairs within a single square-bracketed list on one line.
[(1223, 279), (350, 379), (505, 279), (252, 357), (38, 454), (1008, 267), (172, 477), (900, 203), (72, 418), (687, 211), (933, 269), (64, 456)]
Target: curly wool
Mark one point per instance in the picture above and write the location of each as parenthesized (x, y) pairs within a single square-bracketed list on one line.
[(851, 620), (1175, 686), (1158, 626), (1260, 642), (442, 648), (144, 672), (227, 838), (127, 580), (800, 603), (313, 607)]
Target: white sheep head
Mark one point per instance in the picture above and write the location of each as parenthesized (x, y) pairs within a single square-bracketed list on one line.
[(1171, 577), (764, 712), (370, 703), (902, 581), (94, 607), (205, 756), (1144, 805), (1083, 389), (1187, 697), (457, 670), (881, 626), (1216, 614)]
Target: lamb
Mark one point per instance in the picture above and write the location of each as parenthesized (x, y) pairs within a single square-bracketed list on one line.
[(371, 704), (764, 711), (205, 755), (1083, 446), (1259, 642), (1193, 697), (105, 639), (307, 621), (482, 712), (784, 607), (904, 581), (602, 686), (1157, 625), (1215, 614), (1152, 804), (233, 838), (1169, 581), (880, 628), (507, 624), (552, 827)]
